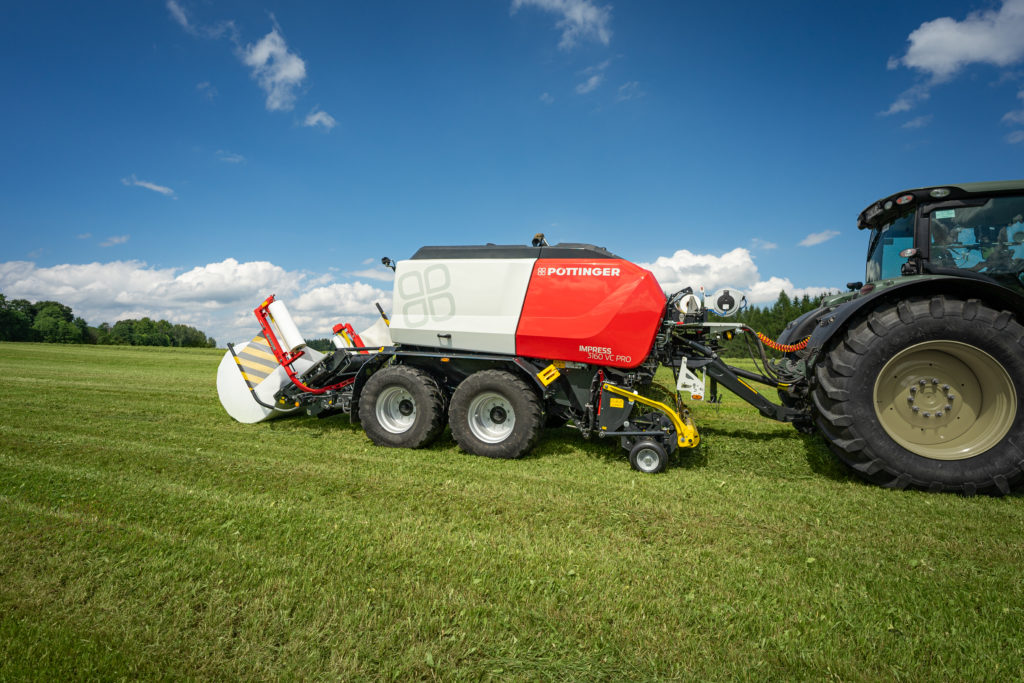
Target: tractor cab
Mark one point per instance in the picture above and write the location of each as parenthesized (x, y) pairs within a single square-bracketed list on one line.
[(974, 230)]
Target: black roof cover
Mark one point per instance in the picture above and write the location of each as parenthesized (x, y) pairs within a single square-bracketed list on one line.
[(494, 251), (885, 209)]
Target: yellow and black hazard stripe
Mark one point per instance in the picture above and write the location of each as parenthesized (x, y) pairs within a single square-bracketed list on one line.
[(256, 361)]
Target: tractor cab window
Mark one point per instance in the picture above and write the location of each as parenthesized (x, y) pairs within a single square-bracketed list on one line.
[(987, 237), (887, 242)]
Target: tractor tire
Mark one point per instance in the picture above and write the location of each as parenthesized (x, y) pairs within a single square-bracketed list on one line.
[(402, 407), (495, 414), (927, 393)]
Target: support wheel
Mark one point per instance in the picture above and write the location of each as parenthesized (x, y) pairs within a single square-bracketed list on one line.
[(402, 407), (925, 393), (648, 457), (495, 414)]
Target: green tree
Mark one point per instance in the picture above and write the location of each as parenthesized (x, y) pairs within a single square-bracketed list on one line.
[(56, 330), (15, 323)]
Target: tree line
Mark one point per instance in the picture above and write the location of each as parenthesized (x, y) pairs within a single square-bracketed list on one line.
[(53, 322)]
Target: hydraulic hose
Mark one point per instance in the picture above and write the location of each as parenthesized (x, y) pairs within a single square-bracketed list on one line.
[(785, 348)]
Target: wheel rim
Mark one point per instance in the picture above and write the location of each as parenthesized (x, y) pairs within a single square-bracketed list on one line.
[(945, 400), (491, 417), (647, 459), (396, 410)]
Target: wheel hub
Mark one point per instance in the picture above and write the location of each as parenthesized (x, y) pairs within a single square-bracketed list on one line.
[(647, 459), (491, 417), (933, 401), (396, 410), (944, 400)]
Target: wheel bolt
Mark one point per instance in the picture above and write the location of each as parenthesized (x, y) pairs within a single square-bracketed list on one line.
[(915, 409), (910, 399), (922, 383), (945, 387), (938, 414), (913, 390), (950, 397), (934, 381), (927, 414)]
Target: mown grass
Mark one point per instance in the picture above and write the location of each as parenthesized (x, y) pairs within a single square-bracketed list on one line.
[(146, 534)]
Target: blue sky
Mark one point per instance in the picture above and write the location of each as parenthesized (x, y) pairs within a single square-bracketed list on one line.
[(185, 158)]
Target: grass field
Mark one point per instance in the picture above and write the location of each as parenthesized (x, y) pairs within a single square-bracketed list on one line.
[(146, 534)]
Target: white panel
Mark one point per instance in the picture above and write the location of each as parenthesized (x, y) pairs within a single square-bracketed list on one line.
[(476, 301)]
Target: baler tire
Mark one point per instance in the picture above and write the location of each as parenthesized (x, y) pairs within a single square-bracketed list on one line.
[(385, 398), (648, 456), (879, 388), (480, 411)]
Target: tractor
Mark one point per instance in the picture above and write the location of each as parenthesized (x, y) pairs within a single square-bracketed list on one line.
[(915, 377)]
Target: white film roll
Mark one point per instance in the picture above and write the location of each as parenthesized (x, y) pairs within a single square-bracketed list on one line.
[(288, 334)]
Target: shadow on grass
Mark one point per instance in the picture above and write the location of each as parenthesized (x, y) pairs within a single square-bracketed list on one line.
[(557, 441), (823, 462)]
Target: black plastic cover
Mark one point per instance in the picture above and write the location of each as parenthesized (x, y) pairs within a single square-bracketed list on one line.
[(503, 251)]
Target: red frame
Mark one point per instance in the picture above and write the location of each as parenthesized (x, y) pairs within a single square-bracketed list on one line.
[(286, 358)]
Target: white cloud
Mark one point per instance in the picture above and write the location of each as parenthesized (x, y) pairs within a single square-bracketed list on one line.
[(278, 71), (546, 98), (580, 19), (207, 89), (1015, 137), (180, 16), (1015, 117), (942, 47), (319, 118), (229, 157), (907, 100), (629, 91), (114, 240), (818, 237), (919, 122), (84, 236), (217, 298), (758, 243), (590, 84), (595, 76), (133, 181), (734, 268)]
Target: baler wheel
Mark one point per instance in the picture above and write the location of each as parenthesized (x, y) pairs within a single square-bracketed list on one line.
[(648, 457), (927, 393), (402, 407), (495, 414)]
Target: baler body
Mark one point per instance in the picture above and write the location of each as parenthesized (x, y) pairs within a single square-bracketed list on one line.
[(571, 303)]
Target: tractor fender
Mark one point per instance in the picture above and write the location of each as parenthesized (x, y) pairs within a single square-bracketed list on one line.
[(798, 330), (831, 322)]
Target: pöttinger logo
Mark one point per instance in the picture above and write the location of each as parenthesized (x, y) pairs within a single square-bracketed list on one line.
[(426, 295)]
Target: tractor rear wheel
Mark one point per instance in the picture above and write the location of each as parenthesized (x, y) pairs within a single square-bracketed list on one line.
[(495, 414), (402, 407), (927, 393)]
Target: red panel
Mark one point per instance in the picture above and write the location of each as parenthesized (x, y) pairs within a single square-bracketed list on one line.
[(602, 311)]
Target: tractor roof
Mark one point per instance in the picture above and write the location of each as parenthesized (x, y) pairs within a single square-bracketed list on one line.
[(884, 210)]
